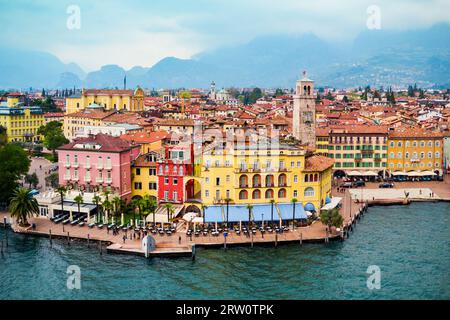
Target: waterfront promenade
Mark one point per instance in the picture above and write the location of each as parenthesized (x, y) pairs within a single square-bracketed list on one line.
[(181, 244)]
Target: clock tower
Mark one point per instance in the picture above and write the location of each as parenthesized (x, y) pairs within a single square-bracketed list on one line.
[(304, 118)]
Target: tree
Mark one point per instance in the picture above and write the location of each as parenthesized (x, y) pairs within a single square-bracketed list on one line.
[(23, 206), (13, 164), (79, 200), (279, 92), (137, 204), (53, 136), (52, 180), (117, 203), (149, 206), (96, 199), (228, 200), (32, 180), (272, 203), (294, 201), (249, 208), (62, 192), (107, 206), (170, 210), (331, 218), (3, 136), (345, 99)]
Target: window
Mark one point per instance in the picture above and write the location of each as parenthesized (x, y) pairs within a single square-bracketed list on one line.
[(295, 178), (295, 194), (160, 170), (399, 155), (152, 172), (138, 171), (256, 194), (299, 164), (392, 144), (175, 181), (430, 155), (206, 193), (438, 144), (166, 195), (243, 194), (175, 196), (407, 155), (181, 171), (309, 192), (282, 193), (437, 155), (175, 170), (138, 186), (166, 180), (217, 181), (399, 144), (422, 155), (152, 186), (227, 178)]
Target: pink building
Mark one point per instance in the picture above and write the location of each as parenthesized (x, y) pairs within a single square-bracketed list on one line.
[(96, 163)]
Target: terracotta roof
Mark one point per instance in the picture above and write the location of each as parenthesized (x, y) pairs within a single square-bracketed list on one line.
[(108, 92), (53, 114), (318, 163), (413, 132), (108, 143), (91, 114), (145, 137)]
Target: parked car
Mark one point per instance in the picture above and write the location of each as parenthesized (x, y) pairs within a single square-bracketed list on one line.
[(386, 185)]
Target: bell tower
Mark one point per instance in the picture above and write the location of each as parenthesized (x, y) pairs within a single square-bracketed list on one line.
[(304, 118)]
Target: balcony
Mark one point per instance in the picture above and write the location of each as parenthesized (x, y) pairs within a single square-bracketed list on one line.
[(75, 165), (377, 159), (99, 180), (87, 166), (257, 185), (282, 184), (367, 151), (108, 180), (66, 177), (99, 166), (67, 164), (75, 178), (243, 186), (270, 185), (87, 179), (108, 166), (358, 159), (415, 160)]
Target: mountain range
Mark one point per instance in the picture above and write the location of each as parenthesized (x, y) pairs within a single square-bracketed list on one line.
[(374, 57)]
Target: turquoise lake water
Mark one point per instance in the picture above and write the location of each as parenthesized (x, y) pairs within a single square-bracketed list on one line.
[(410, 244)]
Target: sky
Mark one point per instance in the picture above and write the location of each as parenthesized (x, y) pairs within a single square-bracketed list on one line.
[(142, 32)]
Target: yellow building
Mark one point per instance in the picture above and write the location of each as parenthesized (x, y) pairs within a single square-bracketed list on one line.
[(322, 141), (21, 122), (128, 100), (75, 122), (144, 176), (254, 175), (412, 150)]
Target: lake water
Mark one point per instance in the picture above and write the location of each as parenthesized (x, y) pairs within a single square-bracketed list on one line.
[(410, 245)]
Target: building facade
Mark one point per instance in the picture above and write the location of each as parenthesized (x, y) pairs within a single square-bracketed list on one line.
[(97, 163), (304, 116)]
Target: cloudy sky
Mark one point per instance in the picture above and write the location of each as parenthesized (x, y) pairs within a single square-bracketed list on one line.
[(141, 32)]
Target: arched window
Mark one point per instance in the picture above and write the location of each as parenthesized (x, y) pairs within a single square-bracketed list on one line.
[(282, 193), (256, 194), (243, 181), (309, 192), (181, 171), (316, 177), (256, 180), (243, 194), (167, 169), (306, 177), (269, 180), (282, 180), (269, 194), (160, 171), (175, 170)]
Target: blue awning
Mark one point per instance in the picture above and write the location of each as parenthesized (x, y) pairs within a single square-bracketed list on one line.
[(327, 200), (240, 212)]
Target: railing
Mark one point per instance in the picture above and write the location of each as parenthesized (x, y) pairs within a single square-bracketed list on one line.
[(99, 166), (66, 177), (67, 164), (75, 178), (75, 165), (99, 180), (87, 179), (87, 166), (243, 185), (108, 166), (108, 180)]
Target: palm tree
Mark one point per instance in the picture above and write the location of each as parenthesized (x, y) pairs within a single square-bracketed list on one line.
[(272, 203), (204, 207), (294, 201), (78, 200), (107, 206), (22, 206), (96, 199), (106, 193), (250, 208), (137, 204), (117, 202), (169, 208), (62, 192), (228, 200)]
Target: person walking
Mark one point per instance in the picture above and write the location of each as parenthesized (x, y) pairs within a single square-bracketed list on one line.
[(124, 238)]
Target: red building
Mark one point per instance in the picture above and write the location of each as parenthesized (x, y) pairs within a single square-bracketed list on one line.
[(172, 171)]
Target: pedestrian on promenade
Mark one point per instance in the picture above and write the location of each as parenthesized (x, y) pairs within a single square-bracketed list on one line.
[(420, 191), (124, 238), (179, 240)]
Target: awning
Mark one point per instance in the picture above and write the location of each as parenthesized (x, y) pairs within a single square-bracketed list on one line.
[(238, 213), (398, 173), (427, 173), (309, 207), (370, 174), (413, 174), (353, 173), (189, 216), (333, 204)]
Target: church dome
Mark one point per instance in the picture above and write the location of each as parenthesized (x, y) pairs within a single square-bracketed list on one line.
[(138, 91)]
